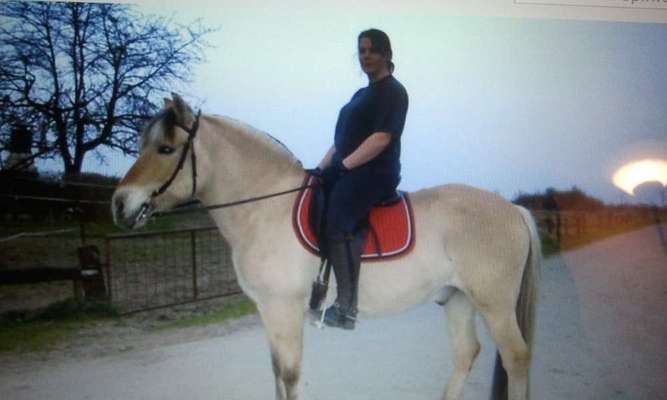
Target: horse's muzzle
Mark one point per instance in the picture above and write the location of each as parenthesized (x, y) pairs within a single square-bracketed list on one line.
[(129, 216)]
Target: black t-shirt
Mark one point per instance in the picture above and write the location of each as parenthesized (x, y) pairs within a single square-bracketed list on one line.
[(379, 107)]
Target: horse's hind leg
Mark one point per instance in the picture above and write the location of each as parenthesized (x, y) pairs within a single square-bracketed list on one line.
[(464, 343), (283, 320), (512, 347)]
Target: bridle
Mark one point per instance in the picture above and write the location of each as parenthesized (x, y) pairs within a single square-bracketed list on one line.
[(189, 146)]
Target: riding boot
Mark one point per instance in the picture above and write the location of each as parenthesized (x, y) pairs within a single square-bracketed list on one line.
[(346, 262), (356, 246)]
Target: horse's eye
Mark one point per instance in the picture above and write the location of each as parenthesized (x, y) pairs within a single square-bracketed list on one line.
[(165, 150)]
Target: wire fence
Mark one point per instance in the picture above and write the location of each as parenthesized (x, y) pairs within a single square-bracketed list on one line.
[(64, 183), (46, 221), (564, 224), (53, 201), (53, 249), (160, 269)]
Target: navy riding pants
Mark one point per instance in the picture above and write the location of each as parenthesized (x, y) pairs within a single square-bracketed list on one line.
[(352, 196)]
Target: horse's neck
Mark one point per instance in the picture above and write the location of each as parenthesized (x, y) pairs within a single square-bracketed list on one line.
[(243, 165)]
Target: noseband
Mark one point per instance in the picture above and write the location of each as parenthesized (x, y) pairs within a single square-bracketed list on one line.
[(189, 145)]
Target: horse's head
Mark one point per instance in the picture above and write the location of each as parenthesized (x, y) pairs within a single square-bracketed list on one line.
[(166, 172)]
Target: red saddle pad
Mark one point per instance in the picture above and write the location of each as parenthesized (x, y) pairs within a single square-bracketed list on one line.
[(393, 225)]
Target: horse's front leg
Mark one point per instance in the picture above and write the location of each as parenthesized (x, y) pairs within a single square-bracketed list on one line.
[(283, 320)]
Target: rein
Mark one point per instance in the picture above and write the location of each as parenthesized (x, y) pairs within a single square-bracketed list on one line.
[(181, 209), (189, 146)]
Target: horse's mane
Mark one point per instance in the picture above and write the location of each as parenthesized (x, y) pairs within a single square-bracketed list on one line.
[(253, 136), (262, 138)]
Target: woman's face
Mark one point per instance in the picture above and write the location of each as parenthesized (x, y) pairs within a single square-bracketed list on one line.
[(372, 62)]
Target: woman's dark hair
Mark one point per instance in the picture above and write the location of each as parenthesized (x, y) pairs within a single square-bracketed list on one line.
[(380, 43)]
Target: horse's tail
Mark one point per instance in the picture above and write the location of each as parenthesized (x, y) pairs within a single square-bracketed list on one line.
[(525, 307)]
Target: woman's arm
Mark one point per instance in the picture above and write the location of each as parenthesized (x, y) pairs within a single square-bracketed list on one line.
[(326, 161), (368, 150)]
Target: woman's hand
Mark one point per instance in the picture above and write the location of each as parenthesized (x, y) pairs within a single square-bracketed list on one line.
[(334, 171)]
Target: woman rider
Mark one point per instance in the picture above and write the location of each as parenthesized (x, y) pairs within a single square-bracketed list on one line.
[(362, 167)]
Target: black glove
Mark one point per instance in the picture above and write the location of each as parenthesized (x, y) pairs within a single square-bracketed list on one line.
[(316, 172), (334, 171)]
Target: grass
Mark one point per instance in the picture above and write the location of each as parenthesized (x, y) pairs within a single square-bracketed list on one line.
[(36, 335), (231, 311), (27, 331)]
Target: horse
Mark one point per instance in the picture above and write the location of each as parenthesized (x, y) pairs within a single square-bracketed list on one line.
[(475, 252)]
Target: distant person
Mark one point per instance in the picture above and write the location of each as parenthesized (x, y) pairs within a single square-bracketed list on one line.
[(362, 167)]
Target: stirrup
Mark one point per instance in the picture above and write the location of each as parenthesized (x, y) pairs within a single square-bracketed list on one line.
[(317, 318)]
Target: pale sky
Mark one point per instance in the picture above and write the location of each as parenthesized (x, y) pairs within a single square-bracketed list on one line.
[(504, 103)]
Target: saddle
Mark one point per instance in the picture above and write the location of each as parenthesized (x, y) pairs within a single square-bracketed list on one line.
[(387, 232)]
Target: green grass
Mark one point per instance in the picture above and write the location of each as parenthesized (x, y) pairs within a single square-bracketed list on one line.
[(27, 331), (231, 311), (34, 331), (35, 335)]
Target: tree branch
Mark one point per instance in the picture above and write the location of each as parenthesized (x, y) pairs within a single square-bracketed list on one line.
[(87, 75)]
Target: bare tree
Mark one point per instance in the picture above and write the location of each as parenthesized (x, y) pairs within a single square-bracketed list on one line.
[(86, 76)]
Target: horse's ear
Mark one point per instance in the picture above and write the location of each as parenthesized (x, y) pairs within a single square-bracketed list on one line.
[(184, 114), (168, 103)]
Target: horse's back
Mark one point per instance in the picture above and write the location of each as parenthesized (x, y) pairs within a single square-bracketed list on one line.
[(466, 207)]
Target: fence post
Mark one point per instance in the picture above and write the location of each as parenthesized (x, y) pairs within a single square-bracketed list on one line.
[(78, 290), (82, 230), (108, 268), (92, 278), (193, 246), (581, 224)]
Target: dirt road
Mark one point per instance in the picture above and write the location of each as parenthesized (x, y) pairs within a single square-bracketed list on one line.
[(602, 334)]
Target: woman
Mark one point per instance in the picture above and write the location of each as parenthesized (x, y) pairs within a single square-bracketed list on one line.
[(362, 167)]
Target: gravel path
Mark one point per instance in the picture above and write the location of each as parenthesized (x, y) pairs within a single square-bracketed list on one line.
[(601, 335)]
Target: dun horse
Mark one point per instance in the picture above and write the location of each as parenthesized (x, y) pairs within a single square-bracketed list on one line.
[(474, 252)]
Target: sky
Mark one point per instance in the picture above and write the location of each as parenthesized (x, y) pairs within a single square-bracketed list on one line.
[(503, 102)]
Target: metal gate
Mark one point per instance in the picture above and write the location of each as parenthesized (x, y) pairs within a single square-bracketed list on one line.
[(161, 269)]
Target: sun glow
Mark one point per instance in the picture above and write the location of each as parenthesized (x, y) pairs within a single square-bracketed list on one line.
[(633, 174)]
